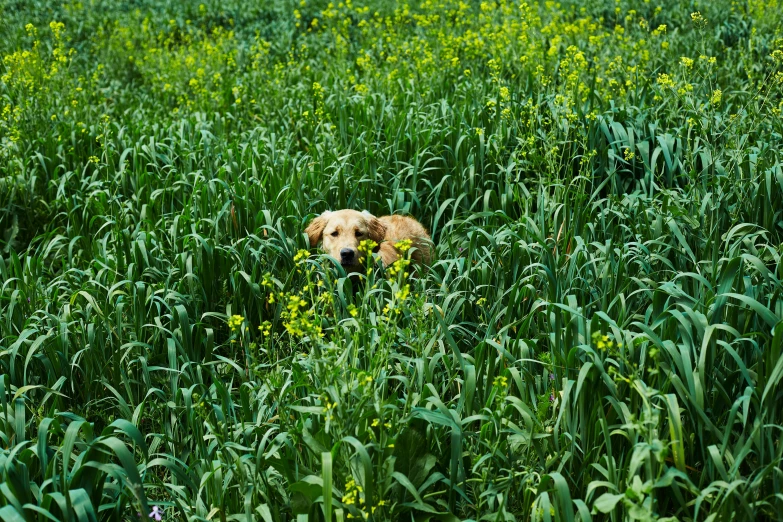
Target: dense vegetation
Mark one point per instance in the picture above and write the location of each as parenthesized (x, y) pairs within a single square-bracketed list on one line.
[(599, 338)]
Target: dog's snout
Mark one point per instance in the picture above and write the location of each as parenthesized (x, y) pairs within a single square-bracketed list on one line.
[(347, 255)]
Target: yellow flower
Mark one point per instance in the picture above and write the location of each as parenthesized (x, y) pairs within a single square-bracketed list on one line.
[(265, 328), (403, 293), (717, 94), (698, 20), (57, 29), (500, 381), (235, 321), (301, 255), (664, 80), (367, 246)]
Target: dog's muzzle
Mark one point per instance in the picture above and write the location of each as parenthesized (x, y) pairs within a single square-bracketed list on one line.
[(347, 257)]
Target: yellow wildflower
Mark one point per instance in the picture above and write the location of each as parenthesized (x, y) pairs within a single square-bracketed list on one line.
[(235, 321)]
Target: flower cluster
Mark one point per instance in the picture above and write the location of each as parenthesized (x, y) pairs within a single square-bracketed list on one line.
[(500, 381), (299, 318), (329, 409), (265, 328), (301, 255), (604, 343), (235, 321), (354, 498), (402, 262)]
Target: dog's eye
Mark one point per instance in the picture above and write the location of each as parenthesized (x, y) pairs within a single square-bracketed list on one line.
[(335, 234), (359, 233)]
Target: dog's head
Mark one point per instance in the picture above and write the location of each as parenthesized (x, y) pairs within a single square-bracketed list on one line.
[(342, 231)]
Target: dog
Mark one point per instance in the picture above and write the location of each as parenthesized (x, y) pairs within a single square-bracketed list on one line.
[(342, 231)]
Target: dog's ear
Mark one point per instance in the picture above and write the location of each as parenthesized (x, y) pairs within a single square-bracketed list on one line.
[(315, 230), (375, 229)]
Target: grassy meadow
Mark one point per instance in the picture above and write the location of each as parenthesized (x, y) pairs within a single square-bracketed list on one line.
[(600, 336)]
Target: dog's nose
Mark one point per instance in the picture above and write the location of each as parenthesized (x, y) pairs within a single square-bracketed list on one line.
[(346, 255)]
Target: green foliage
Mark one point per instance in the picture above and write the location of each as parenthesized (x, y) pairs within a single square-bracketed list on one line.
[(599, 337)]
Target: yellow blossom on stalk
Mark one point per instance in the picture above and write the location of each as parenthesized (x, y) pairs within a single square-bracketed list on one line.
[(686, 62), (698, 20), (711, 60), (404, 245), (398, 267), (265, 328), (367, 246), (403, 293), (603, 342), (660, 30), (57, 29), (299, 320), (235, 321), (318, 94), (353, 497), (301, 255), (500, 381), (664, 80), (717, 94), (380, 503)]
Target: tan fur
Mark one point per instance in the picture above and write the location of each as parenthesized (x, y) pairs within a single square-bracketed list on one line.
[(345, 229)]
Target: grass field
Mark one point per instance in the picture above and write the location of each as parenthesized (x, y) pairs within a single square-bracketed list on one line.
[(599, 338)]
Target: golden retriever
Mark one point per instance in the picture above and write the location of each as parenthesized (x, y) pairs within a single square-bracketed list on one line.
[(342, 231)]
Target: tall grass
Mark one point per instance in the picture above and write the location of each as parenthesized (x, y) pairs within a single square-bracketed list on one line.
[(599, 338)]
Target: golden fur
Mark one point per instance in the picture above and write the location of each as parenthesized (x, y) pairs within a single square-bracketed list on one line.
[(341, 232)]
